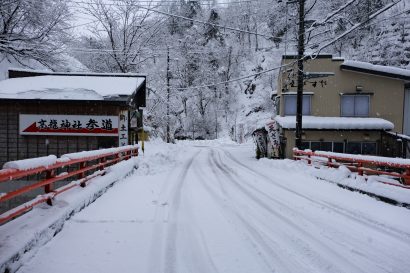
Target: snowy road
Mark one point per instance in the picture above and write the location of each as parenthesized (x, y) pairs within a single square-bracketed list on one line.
[(219, 210)]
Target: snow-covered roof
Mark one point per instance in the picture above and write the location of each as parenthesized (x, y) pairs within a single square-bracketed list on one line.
[(399, 135), (386, 71), (58, 87), (336, 123)]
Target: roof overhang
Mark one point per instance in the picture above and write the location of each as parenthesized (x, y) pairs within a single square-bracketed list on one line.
[(378, 70)]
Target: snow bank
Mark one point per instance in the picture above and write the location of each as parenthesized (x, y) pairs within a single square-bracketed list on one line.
[(31, 163), (210, 142), (159, 157), (343, 176), (22, 236), (337, 123)]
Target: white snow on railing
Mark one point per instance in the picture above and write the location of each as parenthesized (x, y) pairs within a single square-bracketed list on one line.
[(45, 161), (94, 153), (376, 159), (31, 163)]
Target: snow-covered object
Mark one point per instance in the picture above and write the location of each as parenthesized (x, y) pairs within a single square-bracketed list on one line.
[(45, 221), (399, 135), (375, 159), (45, 161), (58, 87), (85, 154), (342, 176), (31, 163), (337, 123), (378, 68)]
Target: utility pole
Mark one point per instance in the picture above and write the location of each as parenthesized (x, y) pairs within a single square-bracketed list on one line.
[(301, 53), (168, 95)]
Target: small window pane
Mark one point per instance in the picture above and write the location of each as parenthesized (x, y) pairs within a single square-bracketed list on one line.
[(369, 148), (347, 106), (361, 106), (290, 105), (291, 102), (305, 145), (315, 146), (326, 146), (338, 147), (354, 148), (306, 105)]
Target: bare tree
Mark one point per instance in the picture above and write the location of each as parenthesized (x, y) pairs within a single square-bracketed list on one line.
[(32, 29), (126, 30)]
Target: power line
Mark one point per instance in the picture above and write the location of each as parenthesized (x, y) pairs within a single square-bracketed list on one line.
[(235, 80), (185, 18)]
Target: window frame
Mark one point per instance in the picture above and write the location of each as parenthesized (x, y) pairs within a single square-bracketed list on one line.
[(284, 95), (309, 142), (354, 105)]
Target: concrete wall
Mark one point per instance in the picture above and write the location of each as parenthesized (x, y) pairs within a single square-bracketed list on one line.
[(13, 146), (387, 101)]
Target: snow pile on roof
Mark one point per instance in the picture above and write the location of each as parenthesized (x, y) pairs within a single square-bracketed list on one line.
[(399, 135), (378, 68), (68, 87), (338, 123)]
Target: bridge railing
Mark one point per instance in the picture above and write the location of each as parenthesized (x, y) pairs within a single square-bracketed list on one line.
[(362, 164), (80, 166)]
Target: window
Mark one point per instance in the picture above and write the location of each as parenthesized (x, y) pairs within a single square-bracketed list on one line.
[(327, 146), (290, 105), (305, 145), (369, 148), (365, 148), (338, 147), (355, 105), (354, 148)]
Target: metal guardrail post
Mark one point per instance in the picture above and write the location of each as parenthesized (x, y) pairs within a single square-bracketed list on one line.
[(359, 168), (82, 174), (407, 177), (49, 187), (102, 161)]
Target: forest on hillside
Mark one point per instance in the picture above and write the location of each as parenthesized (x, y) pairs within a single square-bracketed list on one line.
[(211, 65)]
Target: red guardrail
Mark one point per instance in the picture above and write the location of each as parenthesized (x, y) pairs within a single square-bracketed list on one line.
[(360, 164), (95, 161)]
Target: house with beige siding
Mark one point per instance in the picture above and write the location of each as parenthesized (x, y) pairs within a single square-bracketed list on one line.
[(348, 107)]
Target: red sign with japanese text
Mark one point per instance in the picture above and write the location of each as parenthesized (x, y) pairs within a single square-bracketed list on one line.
[(74, 125)]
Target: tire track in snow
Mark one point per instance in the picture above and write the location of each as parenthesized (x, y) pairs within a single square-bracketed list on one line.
[(253, 236), (165, 224), (370, 256), (196, 249), (398, 234), (343, 262)]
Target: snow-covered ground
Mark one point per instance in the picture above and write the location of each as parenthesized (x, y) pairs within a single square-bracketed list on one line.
[(211, 207)]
